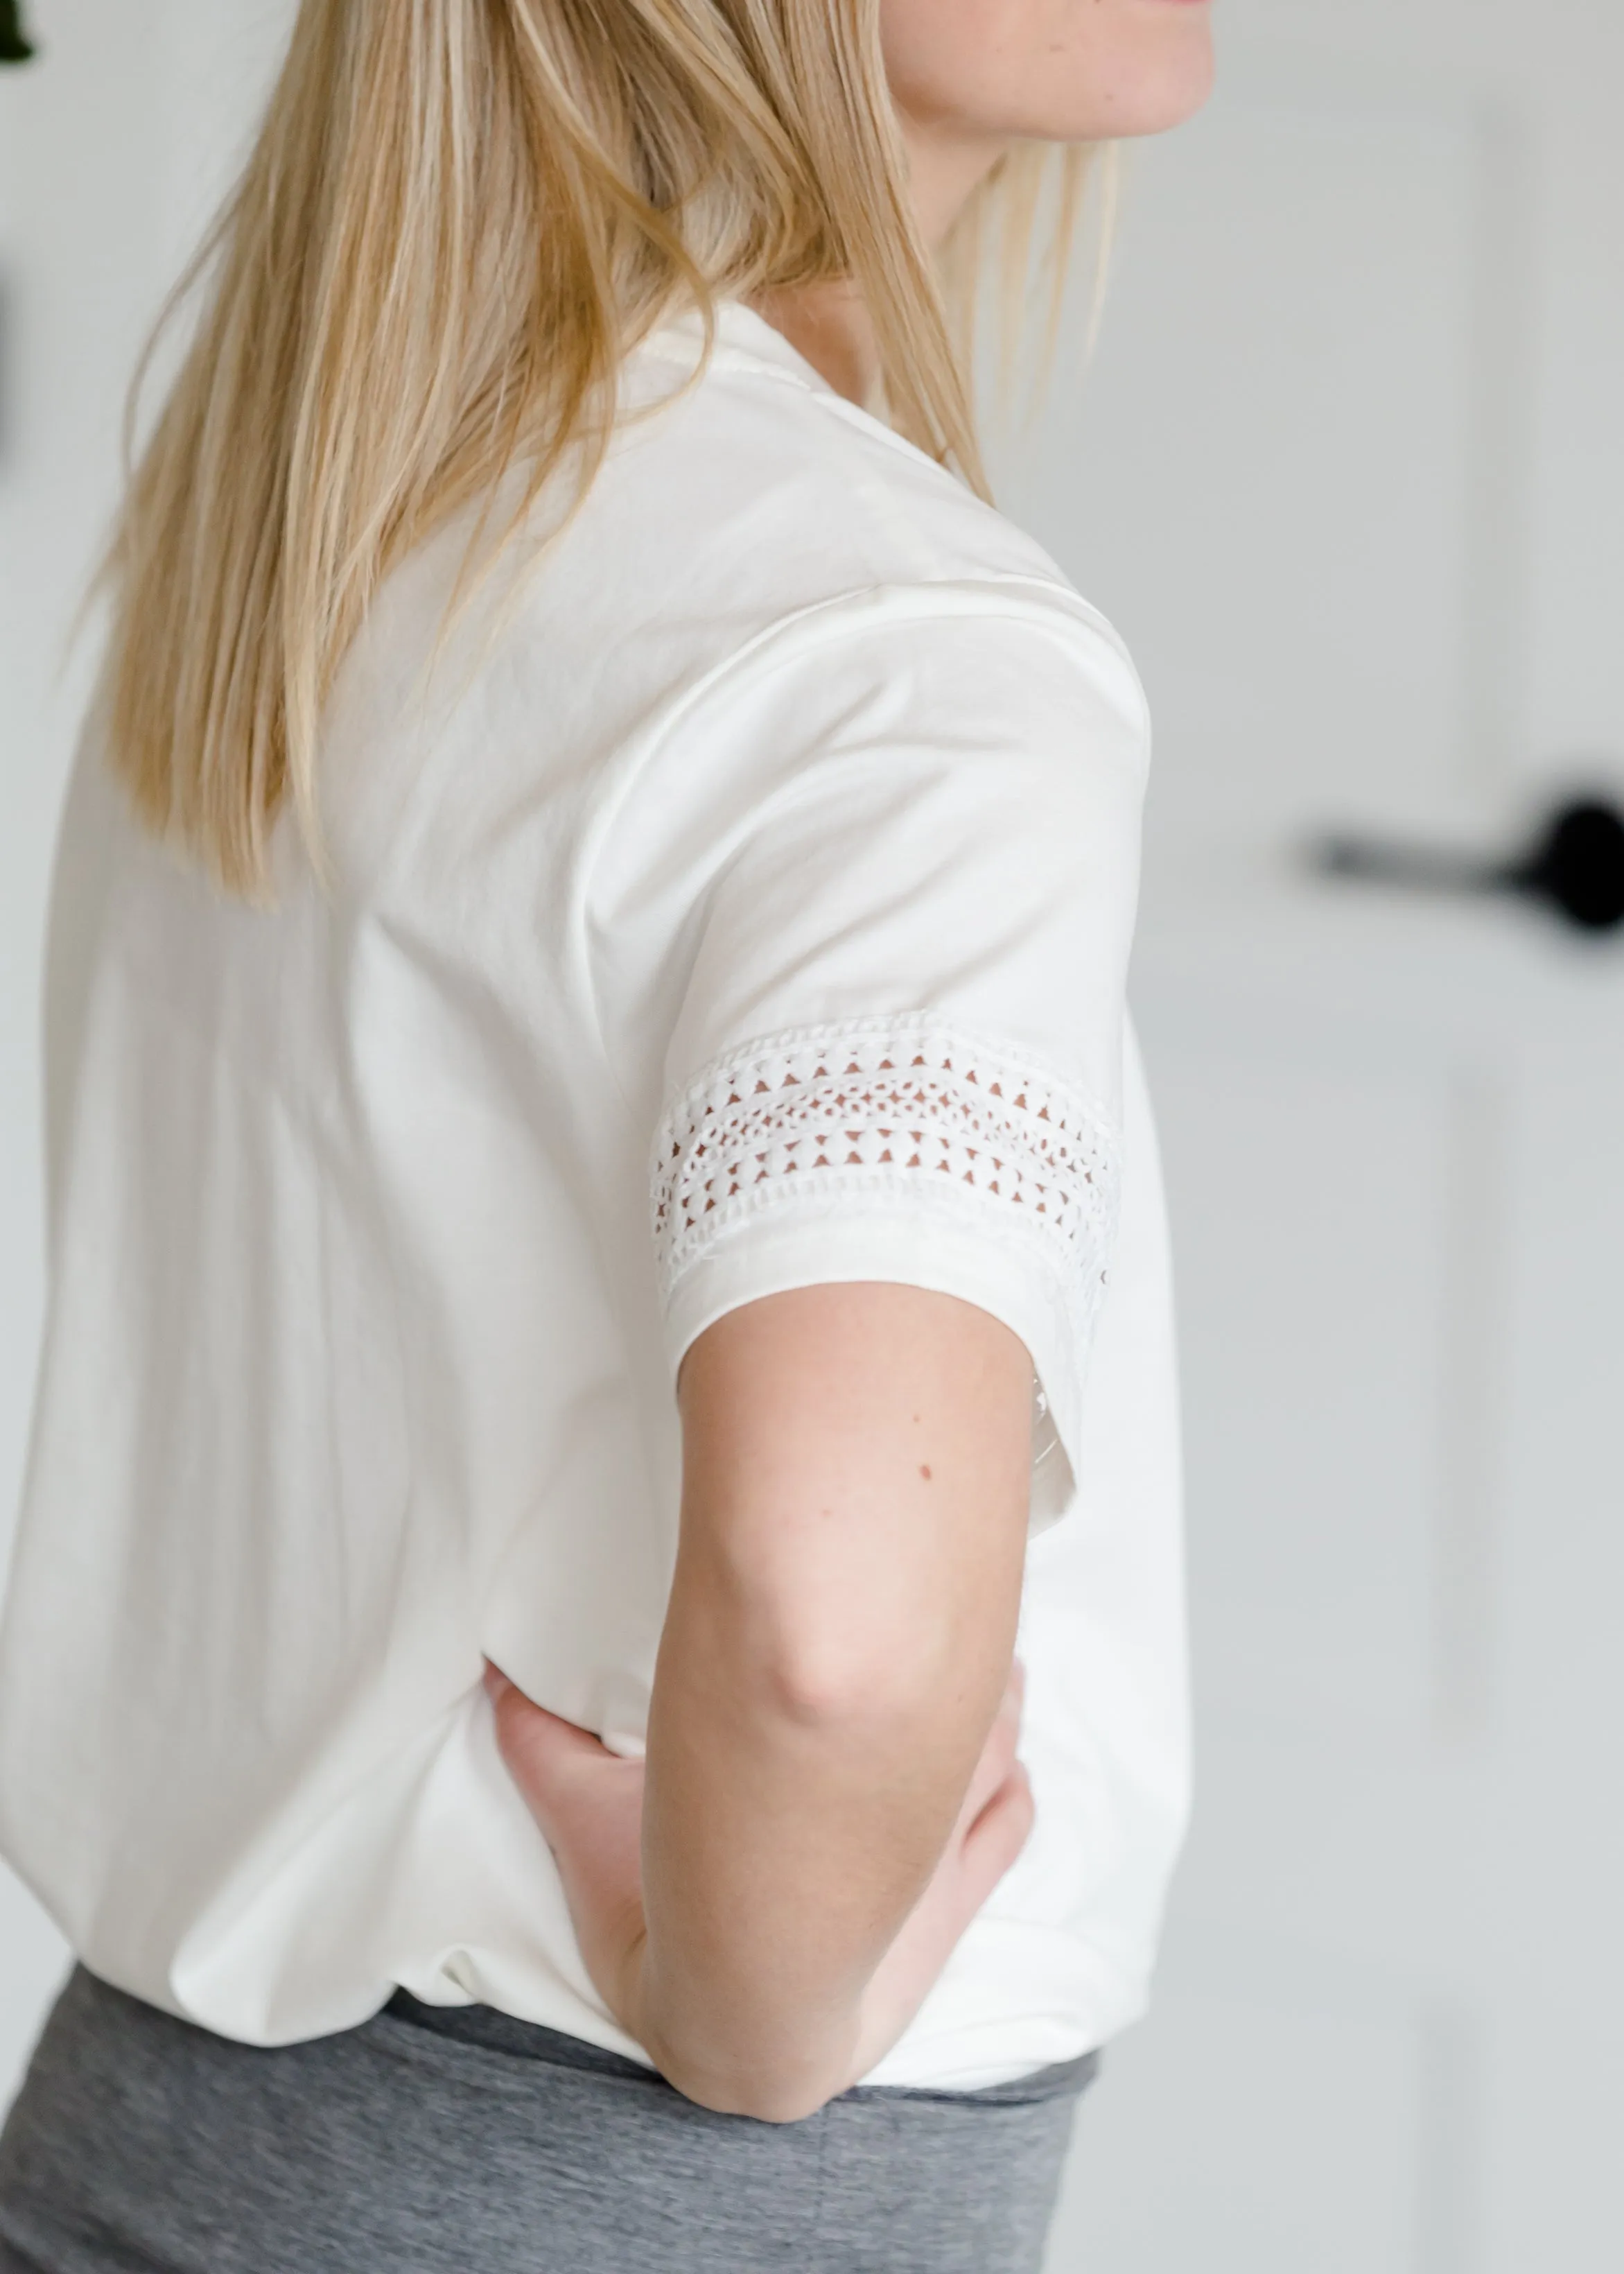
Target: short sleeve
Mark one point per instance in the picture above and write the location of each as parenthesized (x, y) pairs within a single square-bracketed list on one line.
[(898, 1051)]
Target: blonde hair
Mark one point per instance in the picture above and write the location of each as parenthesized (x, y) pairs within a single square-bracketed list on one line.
[(458, 218)]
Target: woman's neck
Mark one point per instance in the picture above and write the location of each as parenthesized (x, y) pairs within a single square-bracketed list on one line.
[(830, 324)]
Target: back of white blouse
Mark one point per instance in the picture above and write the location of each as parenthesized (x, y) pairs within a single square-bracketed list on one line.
[(738, 900)]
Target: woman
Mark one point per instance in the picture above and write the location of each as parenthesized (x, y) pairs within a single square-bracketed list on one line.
[(600, 864)]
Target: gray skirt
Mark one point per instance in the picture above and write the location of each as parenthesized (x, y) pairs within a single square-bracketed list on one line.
[(458, 2140)]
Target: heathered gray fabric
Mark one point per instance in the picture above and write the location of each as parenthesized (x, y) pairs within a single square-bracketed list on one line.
[(469, 2143)]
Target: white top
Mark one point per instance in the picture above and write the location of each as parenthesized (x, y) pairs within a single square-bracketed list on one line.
[(739, 901)]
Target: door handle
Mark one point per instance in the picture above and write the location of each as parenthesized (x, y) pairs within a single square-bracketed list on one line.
[(1574, 866)]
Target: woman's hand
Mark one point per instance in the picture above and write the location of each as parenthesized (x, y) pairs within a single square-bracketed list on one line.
[(588, 1803)]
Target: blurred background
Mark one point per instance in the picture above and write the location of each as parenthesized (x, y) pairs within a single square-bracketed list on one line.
[(1347, 472)]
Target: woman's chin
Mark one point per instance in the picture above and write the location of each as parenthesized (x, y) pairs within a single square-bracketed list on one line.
[(1147, 94)]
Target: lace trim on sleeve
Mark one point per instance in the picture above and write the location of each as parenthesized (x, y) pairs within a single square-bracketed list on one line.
[(898, 1111)]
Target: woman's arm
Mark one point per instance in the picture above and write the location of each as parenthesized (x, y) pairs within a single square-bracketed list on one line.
[(839, 1643)]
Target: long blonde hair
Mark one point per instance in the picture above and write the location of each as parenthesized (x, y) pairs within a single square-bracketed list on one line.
[(458, 218)]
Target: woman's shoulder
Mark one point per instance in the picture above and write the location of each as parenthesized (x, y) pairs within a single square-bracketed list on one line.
[(755, 474), (740, 498), (749, 521), (751, 542)]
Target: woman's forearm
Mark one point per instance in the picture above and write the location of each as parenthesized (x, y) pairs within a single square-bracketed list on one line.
[(839, 1639), (832, 1788), (788, 1830)]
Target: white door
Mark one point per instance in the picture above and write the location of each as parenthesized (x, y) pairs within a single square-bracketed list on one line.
[(1349, 474)]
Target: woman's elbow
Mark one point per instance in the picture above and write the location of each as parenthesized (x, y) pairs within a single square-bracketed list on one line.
[(765, 2095), (843, 1678)]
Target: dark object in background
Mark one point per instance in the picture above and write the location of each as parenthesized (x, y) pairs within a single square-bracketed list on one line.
[(1574, 867), (14, 45)]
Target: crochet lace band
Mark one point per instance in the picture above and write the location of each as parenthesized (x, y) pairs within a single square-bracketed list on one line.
[(895, 1113)]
